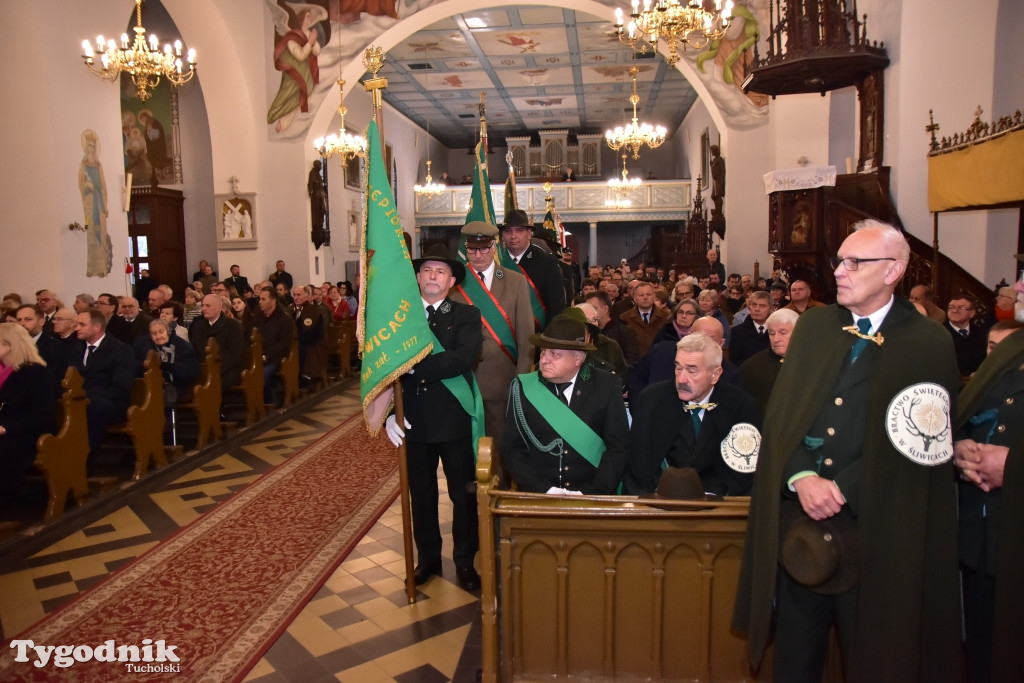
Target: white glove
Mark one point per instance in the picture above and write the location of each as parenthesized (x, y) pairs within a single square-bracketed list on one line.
[(395, 432), (563, 492)]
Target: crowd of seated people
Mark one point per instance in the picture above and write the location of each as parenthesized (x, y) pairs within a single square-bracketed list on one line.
[(107, 338)]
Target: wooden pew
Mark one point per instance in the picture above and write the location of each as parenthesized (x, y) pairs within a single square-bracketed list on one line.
[(251, 384), (289, 373), (61, 457), (146, 419), (207, 396), (608, 587), (340, 338)]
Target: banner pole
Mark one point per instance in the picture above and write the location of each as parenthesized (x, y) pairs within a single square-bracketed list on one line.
[(373, 60), (403, 488)]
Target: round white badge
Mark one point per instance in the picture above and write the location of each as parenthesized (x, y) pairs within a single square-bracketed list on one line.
[(740, 447), (918, 424)]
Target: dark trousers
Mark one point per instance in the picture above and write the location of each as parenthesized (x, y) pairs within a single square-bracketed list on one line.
[(803, 620), (270, 384), (457, 460), (979, 609), (100, 414)]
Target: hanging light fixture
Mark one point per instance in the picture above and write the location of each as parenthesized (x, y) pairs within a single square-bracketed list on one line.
[(430, 189), (683, 22), (346, 145), (620, 187), (625, 183), (143, 62), (635, 135)]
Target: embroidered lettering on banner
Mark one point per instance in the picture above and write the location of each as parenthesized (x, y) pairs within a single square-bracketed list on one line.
[(740, 447), (918, 424)]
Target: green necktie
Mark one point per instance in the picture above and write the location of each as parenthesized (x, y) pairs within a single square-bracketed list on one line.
[(863, 325), (695, 418)]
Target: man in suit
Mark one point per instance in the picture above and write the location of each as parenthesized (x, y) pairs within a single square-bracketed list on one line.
[(439, 422), (658, 364), (751, 335), (569, 176), (970, 341), (133, 323), (503, 299), (312, 335), (718, 433), (567, 426), (64, 328), (713, 266), (612, 328), (108, 367), (52, 350), (541, 270), (46, 300), (237, 280), (228, 333), (645, 319), (276, 331), (281, 276)]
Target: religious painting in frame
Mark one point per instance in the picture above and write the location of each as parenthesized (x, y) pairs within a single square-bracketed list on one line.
[(352, 176), (150, 134), (235, 221), (354, 231)]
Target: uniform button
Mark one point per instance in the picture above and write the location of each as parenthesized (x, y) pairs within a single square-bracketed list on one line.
[(1009, 400), (839, 401), (830, 431), (1001, 428), (828, 462)]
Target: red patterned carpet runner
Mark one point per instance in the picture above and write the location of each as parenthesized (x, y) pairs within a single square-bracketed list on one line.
[(218, 593)]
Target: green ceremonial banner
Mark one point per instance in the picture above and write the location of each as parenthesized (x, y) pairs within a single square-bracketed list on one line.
[(481, 208), (393, 333)]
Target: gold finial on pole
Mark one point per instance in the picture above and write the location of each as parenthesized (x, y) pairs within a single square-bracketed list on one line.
[(373, 60)]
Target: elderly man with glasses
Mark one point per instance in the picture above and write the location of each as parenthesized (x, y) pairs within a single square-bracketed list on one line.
[(858, 447), (970, 340), (503, 299)]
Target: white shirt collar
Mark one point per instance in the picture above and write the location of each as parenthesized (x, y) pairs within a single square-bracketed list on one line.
[(877, 317)]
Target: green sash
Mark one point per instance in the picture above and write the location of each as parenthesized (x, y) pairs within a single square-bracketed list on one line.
[(570, 426), (539, 312), (467, 393), (494, 318)]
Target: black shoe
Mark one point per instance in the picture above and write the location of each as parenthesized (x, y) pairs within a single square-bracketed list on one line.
[(424, 572), (468, 578)]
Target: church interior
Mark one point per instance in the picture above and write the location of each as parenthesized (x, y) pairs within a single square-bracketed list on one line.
[(219, 167)]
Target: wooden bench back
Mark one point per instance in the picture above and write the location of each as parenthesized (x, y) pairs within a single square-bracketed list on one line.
[(61, 457)]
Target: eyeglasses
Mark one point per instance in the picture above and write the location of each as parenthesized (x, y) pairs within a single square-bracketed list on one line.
[(961, 309), (852, 263), (478, 250)]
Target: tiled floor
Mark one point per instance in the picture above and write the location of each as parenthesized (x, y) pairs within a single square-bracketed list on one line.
[(358, 627)]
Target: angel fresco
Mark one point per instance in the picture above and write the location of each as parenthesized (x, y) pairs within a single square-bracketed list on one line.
[(301, 30)]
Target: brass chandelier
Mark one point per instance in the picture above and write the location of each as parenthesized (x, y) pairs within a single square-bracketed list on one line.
[(430, 189), (144, 62), (620, 187), (635, 135), (677, 22), (346, 145)]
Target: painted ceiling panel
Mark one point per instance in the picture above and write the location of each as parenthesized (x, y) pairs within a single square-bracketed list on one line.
[(538, 67)]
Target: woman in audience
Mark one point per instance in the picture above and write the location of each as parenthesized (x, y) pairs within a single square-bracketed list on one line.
[(27, 406), (678, 326), (192, 308), (338, 305), (171, 313), (347, 293), (178, 360), (241, 311)]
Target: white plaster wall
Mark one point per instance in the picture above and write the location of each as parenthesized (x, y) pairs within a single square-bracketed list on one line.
[(48, 109)]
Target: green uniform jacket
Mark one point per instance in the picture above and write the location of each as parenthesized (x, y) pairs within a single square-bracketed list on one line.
[(908, 609), (1008, 622)]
